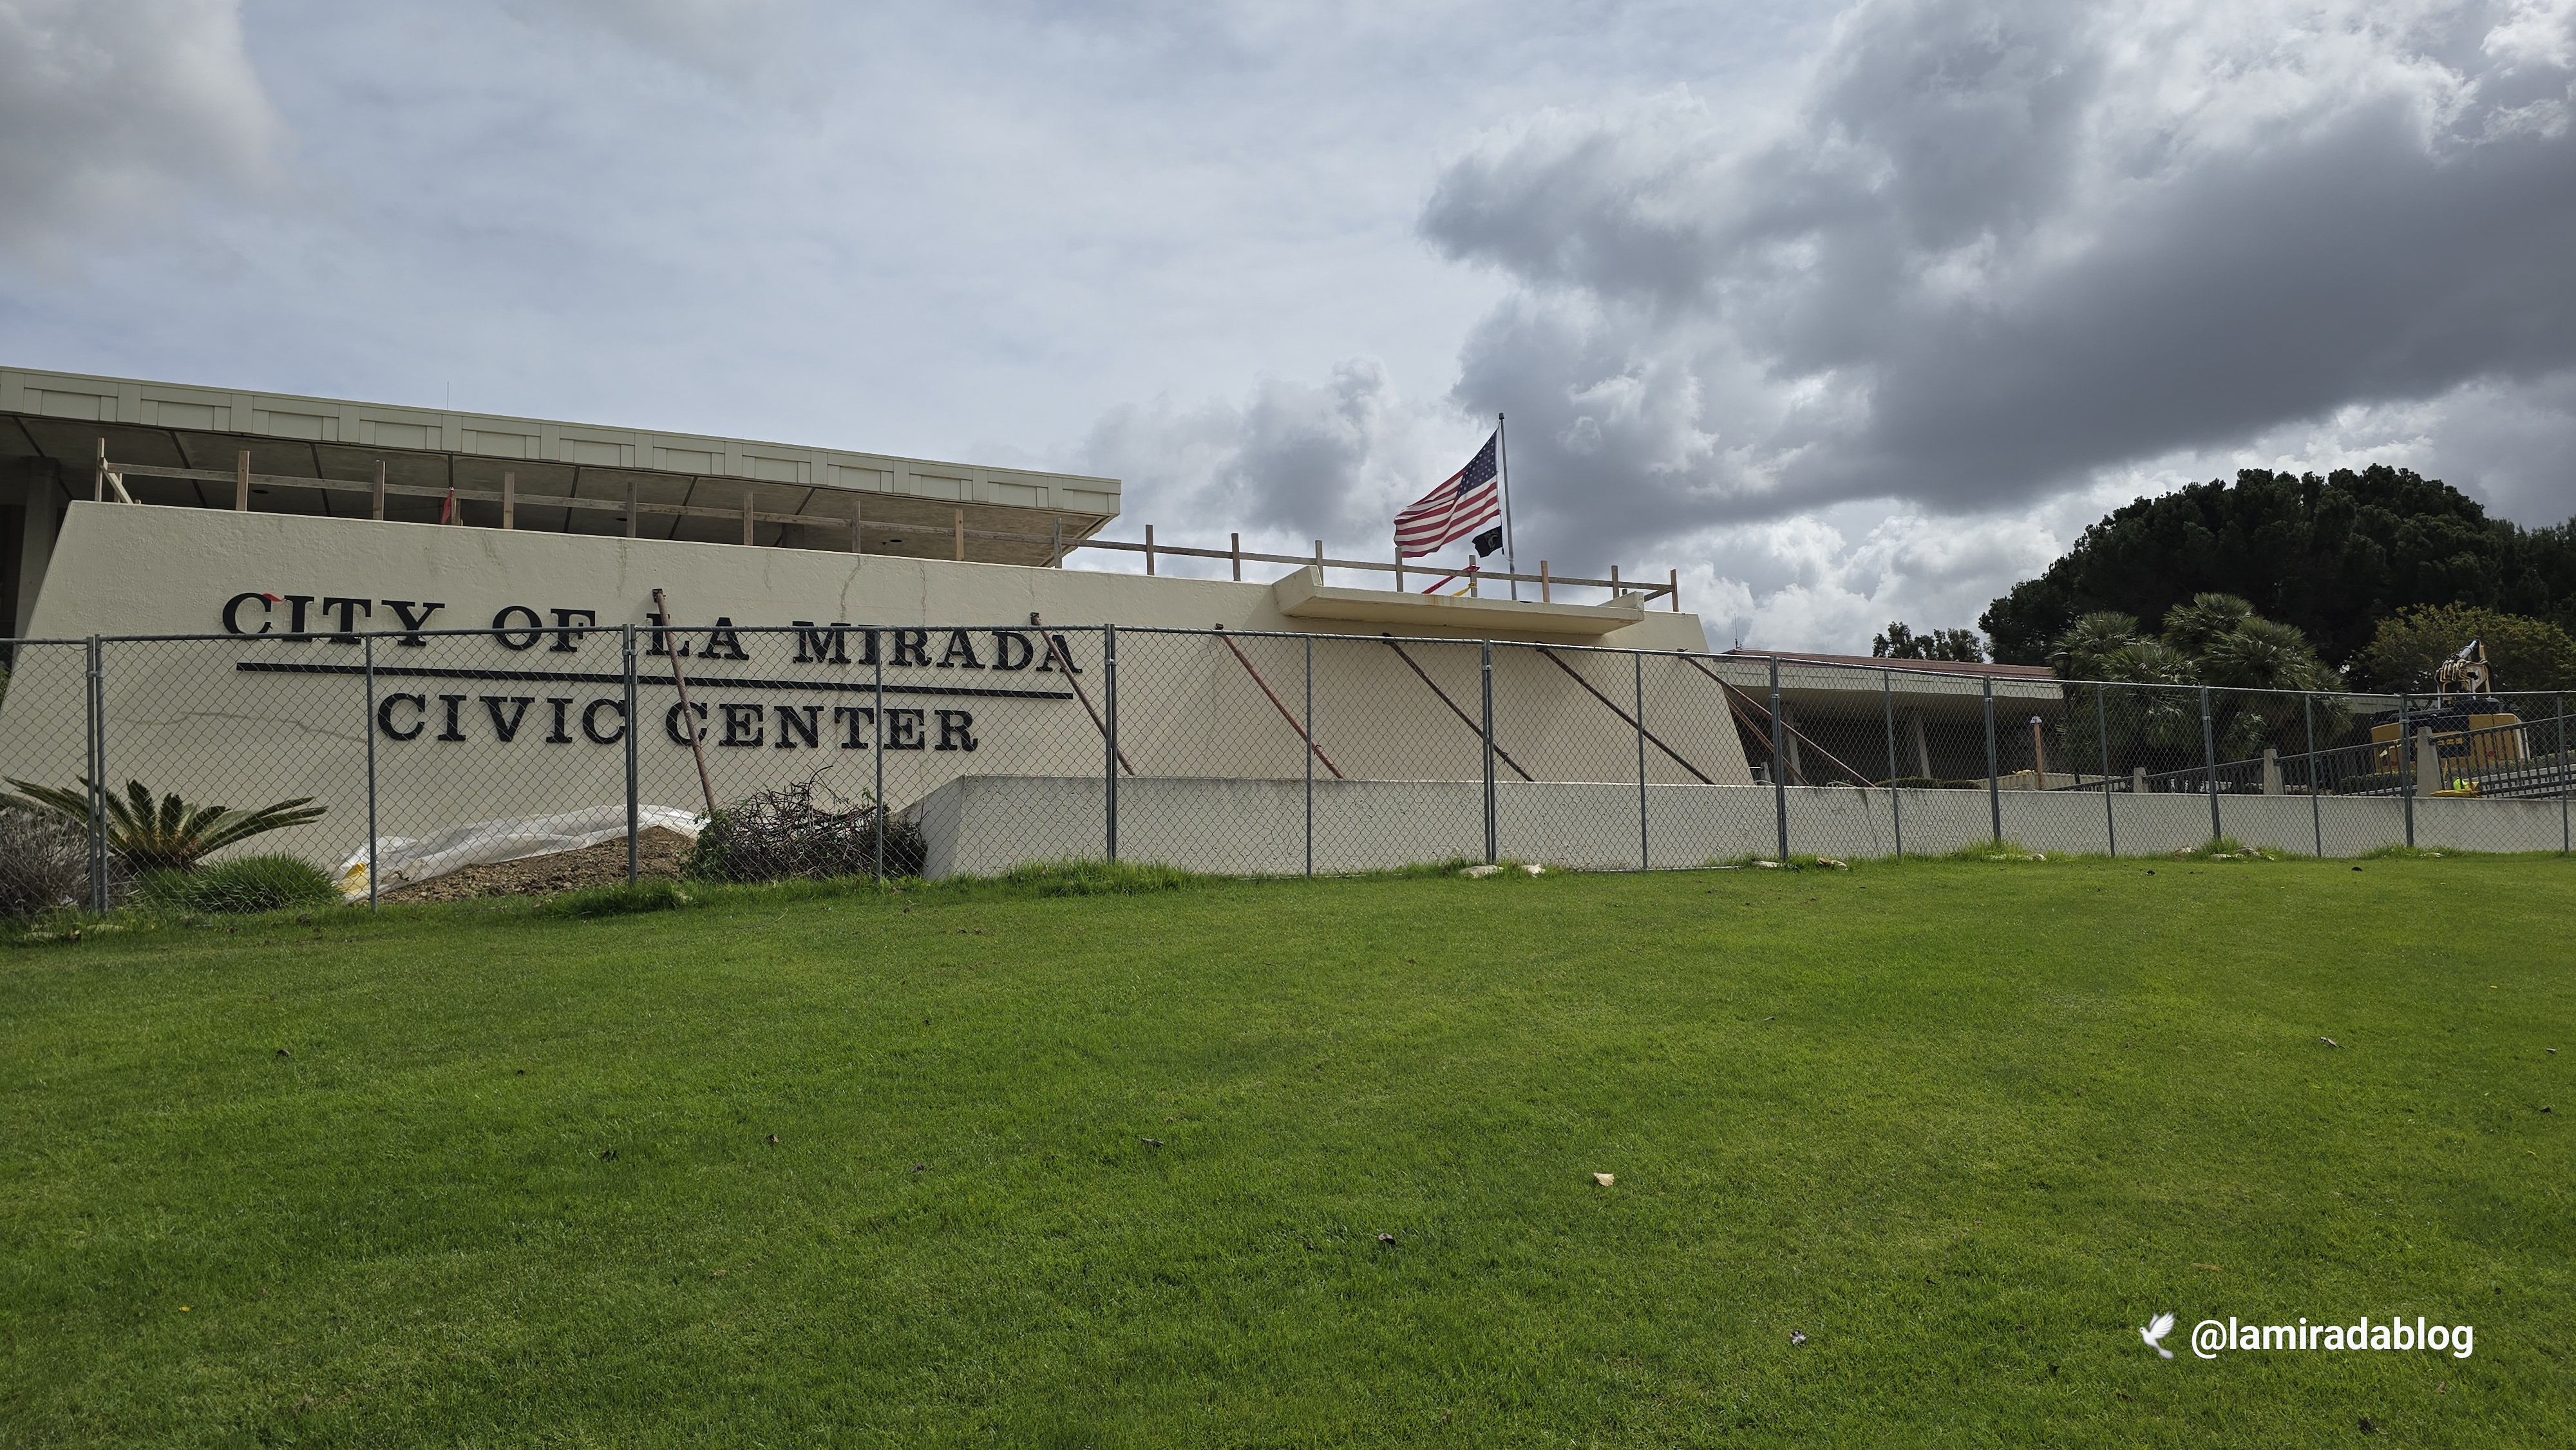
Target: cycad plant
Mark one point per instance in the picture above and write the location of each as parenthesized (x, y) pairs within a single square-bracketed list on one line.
[(164, 833)]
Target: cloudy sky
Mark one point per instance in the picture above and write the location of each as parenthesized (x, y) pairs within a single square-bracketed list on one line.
[(1848, 316)]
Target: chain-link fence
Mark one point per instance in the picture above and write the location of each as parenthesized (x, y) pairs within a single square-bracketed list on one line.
[(555, 752)]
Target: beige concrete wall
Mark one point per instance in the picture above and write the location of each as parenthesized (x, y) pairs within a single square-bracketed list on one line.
[(120, 569), (982, 825), (254, 717)]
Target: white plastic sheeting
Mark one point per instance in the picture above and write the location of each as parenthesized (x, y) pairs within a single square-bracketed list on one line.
[(404, 861)]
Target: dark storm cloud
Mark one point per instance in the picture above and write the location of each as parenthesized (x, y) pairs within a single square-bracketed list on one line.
[(2001, 246)]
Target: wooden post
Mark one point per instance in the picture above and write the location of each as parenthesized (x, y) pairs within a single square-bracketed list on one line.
[(241, 480), (687, 713), (1319, 563), (98, 478), (509, 501), (380, 490), (1236, 548), (630, 508), (1673, 577), (961, 535), (746, 517), (1615, 591), (1149, 549), (858, 537), (1546, 593), (1399, 568)]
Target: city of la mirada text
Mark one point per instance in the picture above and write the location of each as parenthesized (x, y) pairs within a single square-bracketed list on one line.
[(723, 718)]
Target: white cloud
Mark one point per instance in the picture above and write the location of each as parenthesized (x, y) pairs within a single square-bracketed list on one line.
[(1848, 318), (738, 41), (117, 113)]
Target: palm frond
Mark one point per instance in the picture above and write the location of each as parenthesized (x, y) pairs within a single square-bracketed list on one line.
[(164, 831), (244, 825), (74, 804)]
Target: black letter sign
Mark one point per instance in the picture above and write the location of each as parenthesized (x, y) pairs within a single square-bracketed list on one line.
[(232, 611), (903, 730), (385, 716), (738, 720), (528, 634)]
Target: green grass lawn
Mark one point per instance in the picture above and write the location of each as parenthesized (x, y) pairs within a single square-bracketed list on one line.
[(990, 1166)]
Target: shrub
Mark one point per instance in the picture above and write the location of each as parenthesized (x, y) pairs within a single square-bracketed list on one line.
[(44, 862), (240, 886), (154, 833), (787, 835)]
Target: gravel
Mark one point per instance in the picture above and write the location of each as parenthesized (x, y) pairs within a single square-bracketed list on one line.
[(659, 853)]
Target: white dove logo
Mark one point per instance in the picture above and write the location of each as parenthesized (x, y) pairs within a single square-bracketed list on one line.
[(2157, 1329)]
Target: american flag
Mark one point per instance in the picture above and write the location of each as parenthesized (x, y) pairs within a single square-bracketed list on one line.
[(1465, 502)]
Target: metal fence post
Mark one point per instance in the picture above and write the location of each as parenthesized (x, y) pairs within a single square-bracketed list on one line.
[(1895, 810), (1491, 854), (1309, 753), (95, 700), (1638, 659), (1109, 730), (1779, 767), (369, 725), (876, 727), (2316, 812), (2102, 726), (1994, 786), (2562, 772), (2406, 764), (2209, 761), (634, 837)]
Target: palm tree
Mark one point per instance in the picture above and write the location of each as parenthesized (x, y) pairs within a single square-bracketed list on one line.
[(165, 833), (2256, 669), (2260, 670)]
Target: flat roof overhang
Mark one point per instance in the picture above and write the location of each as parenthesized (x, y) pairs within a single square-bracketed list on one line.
[(564, 478)]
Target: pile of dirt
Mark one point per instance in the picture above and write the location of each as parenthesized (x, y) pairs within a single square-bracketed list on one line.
[(658, 853)]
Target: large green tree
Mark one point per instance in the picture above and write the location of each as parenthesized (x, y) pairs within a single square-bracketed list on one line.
[(2525, 654), (2331, 556)]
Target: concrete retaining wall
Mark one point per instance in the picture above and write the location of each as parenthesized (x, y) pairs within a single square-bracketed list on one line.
[(980, 825)]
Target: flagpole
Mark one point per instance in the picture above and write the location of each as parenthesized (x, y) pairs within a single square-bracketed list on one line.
[(1511, 556)]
